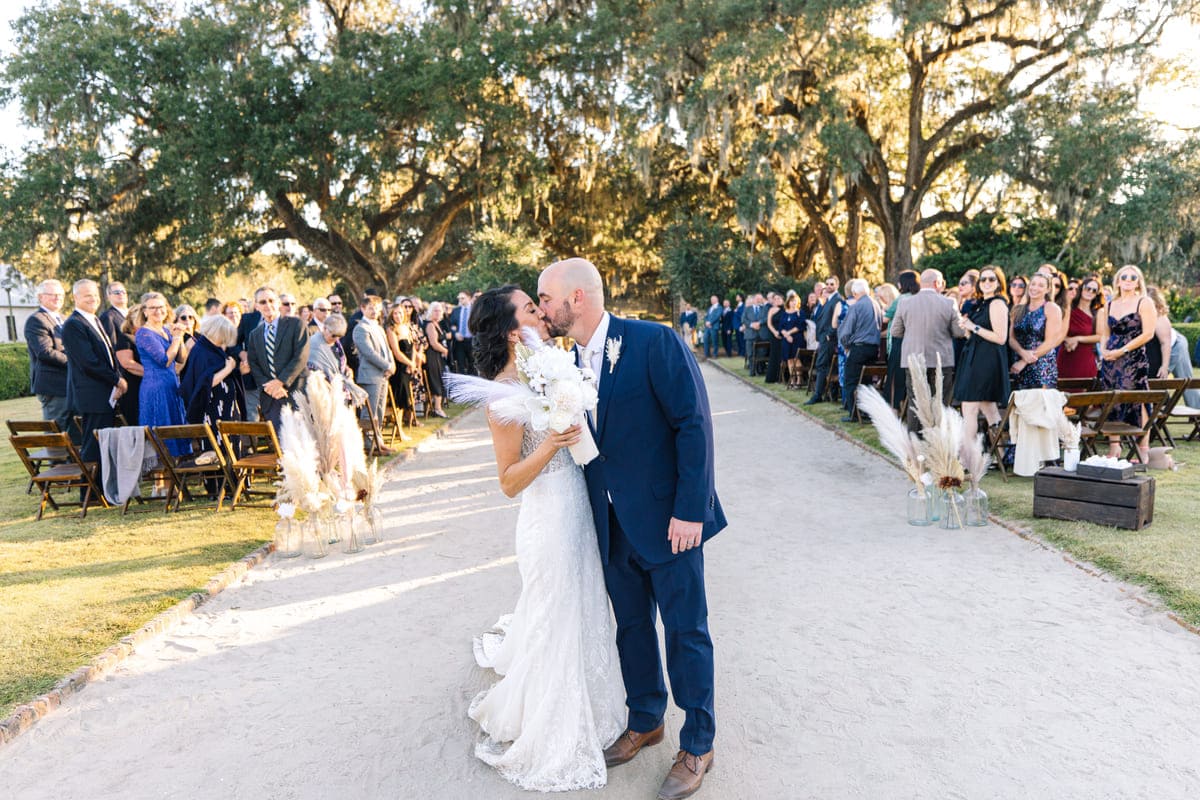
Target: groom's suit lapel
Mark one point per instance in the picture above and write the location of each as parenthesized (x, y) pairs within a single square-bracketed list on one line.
[(608, 373)]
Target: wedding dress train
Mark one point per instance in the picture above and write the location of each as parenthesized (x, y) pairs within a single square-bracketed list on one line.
[(560, 701)]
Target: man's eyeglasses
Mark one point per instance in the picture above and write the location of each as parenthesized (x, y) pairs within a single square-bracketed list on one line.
[(320, 308), (116, 291), (336, 304), (264, 302), (286, 303)]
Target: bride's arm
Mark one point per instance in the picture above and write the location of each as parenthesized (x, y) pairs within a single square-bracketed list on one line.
[(515, 472)]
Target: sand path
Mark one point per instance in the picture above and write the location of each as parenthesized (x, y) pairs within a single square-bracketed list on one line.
[(857, 657)]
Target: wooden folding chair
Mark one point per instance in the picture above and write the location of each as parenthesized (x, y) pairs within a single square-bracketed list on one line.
[(1128, 433), (803, 365), (1186, 414), (1071, 385), (72, 473), (253, 452), (158, 475), (1174, 387), (1089, 409), (17, 427), (198, 466), (872, 375), (393, 417), (996, 438), (372, 435), (762, 354)]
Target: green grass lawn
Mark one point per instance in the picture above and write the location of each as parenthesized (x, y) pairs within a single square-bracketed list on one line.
[(70, 588), (1164, 557)]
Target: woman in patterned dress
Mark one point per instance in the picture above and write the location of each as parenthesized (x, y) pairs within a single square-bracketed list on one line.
[(1034, 337), (1125, 327)]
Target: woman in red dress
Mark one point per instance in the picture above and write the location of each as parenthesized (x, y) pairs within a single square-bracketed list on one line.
[(1077, 356)]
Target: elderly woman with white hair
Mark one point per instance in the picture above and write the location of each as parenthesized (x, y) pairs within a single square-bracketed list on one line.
[(210, 384), (327, 356), (858, 335), (435, 357)]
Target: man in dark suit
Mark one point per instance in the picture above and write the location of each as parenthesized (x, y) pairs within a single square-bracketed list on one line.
[(94, 381), (278, 353), (460, 331), (826, 338), (47, 359), (246, 325), (351, 323), (654, 501), (113, 317)]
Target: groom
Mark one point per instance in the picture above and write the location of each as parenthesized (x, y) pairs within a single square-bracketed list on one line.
[(655, 503)]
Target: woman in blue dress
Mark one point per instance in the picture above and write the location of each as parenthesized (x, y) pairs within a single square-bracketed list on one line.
[(1036, 329), (160, 348)]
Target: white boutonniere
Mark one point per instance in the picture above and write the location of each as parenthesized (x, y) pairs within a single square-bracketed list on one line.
[(612, 349)]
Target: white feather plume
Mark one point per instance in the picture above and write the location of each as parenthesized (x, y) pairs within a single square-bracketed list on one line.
[(893, 434), (504, 400)]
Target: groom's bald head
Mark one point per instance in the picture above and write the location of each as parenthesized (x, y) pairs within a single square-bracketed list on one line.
[(571, 294)]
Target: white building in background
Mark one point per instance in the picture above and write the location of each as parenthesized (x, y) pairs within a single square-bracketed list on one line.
[(18, 299)]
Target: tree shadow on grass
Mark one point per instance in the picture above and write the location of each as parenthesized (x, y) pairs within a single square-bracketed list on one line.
[(216, 554)]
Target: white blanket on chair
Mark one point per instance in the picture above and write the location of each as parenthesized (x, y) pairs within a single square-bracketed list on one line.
[(124, 458), (1034, 428)]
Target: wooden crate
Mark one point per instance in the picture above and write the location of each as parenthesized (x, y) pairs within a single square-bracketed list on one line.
[(1123, 504)]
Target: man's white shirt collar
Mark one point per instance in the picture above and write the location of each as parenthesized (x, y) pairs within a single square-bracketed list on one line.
[(595, 345)]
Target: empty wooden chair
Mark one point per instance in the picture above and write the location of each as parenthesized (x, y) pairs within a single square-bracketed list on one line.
[(1130, 434), (17, 427), (71, 473), (1090, 410), (207, 462), (253, 452)]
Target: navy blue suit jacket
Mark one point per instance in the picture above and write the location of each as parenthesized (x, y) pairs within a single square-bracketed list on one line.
[(92, 373), (47, 358), (654, 432)]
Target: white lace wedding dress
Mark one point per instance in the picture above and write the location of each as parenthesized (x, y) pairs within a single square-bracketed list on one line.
[(560, 701)]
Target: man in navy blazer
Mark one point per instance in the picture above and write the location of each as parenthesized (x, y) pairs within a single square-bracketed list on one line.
[(47, 358), (654, 501), (94, 379)]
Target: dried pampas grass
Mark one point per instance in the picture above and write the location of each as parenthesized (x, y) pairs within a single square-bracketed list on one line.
[(926, 404), (893, 435), (941, 448), (975, 460)]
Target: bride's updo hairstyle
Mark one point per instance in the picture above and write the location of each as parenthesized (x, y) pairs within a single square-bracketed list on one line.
[(493, 318)]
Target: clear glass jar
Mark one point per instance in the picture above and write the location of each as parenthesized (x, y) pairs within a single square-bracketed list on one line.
[(977, 507), (287, 537), (920, 507), (351, 532), (312, 538), (953, 509)]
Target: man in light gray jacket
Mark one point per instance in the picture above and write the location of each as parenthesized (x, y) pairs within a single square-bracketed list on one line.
[(375, 361), (928, 322)]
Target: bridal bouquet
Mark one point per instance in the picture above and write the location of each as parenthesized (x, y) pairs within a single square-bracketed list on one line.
[(561, 393)]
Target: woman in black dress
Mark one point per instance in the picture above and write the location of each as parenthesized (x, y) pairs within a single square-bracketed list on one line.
[(126, 351), (981, 376), (435, 358), (402, 341), (776, 352)]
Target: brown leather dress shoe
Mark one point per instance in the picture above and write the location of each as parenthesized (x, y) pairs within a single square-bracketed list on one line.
[(686, 775), (629, 743)]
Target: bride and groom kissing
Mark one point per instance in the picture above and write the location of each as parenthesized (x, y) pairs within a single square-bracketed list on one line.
[(577, 697)]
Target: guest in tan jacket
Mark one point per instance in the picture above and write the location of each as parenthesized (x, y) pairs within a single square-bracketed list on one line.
[(928, 322)]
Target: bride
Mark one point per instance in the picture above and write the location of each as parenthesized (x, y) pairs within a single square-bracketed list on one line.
[(560, 700)]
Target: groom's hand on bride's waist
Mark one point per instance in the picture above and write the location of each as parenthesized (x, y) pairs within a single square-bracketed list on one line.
[(684, 535)]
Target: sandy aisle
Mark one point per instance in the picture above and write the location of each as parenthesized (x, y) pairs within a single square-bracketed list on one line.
[(856, 656)]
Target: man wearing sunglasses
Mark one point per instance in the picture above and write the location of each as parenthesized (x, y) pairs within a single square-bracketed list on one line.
[(113, 317), (287, 305), (278, 354), (321, 310)]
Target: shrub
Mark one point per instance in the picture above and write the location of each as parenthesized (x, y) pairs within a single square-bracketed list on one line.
[(14, 371), (1190, 330)]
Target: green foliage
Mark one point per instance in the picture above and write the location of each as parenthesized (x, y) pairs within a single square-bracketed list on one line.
[(500, 257), (1184, 306), (991, 239), (14, 371), (1190, 331), (702, 258)]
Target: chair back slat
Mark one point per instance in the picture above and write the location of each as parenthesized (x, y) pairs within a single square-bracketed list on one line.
[(16, 426)]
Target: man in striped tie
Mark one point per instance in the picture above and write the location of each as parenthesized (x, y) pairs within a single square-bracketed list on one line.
[(278, 354)]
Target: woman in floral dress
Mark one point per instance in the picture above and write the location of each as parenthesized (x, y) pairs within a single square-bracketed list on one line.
[(1033, 339), (1125, 327)]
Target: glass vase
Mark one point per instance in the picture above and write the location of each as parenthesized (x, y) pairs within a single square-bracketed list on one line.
[(329, 522), (368, 531), (287, 537), (977, 506), (351, 532), (1070, 458), (920, 507), (312, 538), (953, 509)]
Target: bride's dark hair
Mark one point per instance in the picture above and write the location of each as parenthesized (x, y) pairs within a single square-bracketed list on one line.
[(493, 318)]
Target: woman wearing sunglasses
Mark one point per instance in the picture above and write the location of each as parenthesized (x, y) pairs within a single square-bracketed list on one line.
[(1125, 327), (1077, 356), (981, 378)]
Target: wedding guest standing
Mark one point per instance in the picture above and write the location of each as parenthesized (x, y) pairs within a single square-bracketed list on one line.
[(160, 348), (1125, 326), (1035, 330), (47, 354), (753, 322), (130, 363), (375, 361), (712, 327), (210, 384), (1016, 293), (831, 302), (93, 378), (776, 341), (858, 335), (927, 323), (1158, 349), (186, 316), (118, 306), (981, 376), (791, 324), (435, 358), (327, 356), (402, 340), (738, 334), (1077, 356), (727, 328), (896, 388), (968, 287), (278, 354)]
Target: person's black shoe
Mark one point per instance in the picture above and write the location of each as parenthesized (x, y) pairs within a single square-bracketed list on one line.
[(812, 401), (848, 418)]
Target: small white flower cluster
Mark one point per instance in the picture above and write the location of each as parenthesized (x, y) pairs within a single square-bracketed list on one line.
[(562, 391), (1107, 461)]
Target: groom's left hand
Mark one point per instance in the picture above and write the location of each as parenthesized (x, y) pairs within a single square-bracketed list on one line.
[(684, 535)]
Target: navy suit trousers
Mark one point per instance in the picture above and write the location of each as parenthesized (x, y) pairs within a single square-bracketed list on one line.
[(676, 590)]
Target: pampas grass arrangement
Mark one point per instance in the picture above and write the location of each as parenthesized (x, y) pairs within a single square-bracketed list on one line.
[(893, 435), (975, 460)]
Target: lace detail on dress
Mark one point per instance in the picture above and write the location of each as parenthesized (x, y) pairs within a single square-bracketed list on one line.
[(560, 701), (530, 442)]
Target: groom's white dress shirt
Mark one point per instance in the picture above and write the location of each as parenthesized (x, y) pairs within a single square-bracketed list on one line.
[(594, 349)]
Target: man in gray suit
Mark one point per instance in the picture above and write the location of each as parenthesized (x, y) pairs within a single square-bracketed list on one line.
[(754, 326), (928, 322), (278, 355)]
